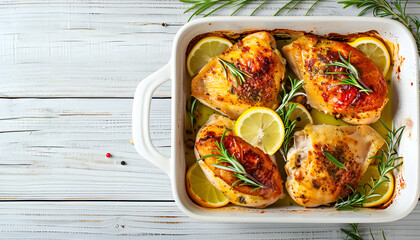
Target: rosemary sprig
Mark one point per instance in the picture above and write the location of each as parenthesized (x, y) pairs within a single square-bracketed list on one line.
[(355, 199), (294, 6), (192, 109), (381, 8), (246, 181), (334, 160), (289, 127), (201, 6), (352, 73), (284, 111), (236, 73), (386, 164), (355, 235), (295, 87), (393, 9), (235, 166)]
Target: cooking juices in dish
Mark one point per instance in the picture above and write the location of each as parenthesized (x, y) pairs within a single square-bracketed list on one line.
[(342, 86)]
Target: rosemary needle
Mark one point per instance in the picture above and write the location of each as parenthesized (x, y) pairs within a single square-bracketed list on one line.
[(352, 73), (236, 73), (201, 6), (387, 159), (334, 160), (284, 111), (355, 235), (396, 10), (234, 165), (192, 109)]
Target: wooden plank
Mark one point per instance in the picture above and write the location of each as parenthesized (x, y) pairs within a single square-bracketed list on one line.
[(163, 220), (78, 65), (101, 48), (55, 149)]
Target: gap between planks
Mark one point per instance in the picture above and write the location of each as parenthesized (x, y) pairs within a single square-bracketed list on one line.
[(56, 150), (158, 220), (67, 50)]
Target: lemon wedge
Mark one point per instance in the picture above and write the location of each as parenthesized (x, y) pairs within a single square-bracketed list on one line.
[(385, 190), (204, 51), (375, 50), (301, 115), (261, 127), (201, 190)]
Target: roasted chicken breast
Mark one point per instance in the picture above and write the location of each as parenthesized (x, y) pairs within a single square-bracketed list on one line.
[(259, 165), (309, 57), (255, 55), (312, 179)]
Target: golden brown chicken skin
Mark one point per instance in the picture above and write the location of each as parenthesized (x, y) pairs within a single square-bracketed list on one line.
[(256, 163), (255, 55), (308, 57), (312, 179)]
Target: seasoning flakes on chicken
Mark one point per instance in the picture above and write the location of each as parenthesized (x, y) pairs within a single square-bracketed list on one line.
[(312, 179), (255, 55), (256, 163), (309, 57)]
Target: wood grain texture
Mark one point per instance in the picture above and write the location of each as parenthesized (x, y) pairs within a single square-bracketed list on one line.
[(55, 149), (163, 220), (68, 71), (100, 48)]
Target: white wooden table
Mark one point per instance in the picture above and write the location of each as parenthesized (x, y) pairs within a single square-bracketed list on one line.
[(68, 71)]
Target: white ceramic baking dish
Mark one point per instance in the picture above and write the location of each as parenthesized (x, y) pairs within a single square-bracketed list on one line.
[(406, 112)]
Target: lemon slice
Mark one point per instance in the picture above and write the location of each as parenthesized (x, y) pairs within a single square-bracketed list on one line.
[(375, 50), (261, 127), (204, 51), (385, 189), (301, 115), (201, 190)]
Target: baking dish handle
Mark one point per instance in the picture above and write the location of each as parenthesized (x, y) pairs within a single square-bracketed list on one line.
[(141, 114)]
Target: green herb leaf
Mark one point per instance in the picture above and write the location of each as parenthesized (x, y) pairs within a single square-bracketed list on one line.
[(236, 73), (192, 109), (334, 160), (353, 74), (201, 6), (235, 166), (387, 163), (287, 96), (396, 10), (284, 111), (355, 235)]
